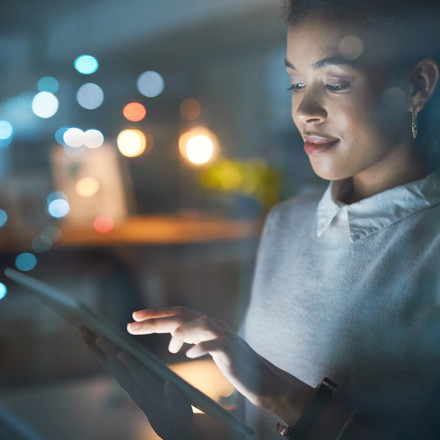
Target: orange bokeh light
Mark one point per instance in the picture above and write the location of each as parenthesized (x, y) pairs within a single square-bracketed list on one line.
[(190, 109), (103, 224), (134, 111), (87, 187)]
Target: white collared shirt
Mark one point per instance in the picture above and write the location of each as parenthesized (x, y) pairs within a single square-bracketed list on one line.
[(352, 292), (379, 211)]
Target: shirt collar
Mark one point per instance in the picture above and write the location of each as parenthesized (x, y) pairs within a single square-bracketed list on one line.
[(374, 213)]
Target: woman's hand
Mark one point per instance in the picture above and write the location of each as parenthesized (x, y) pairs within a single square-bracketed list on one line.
[(254, 377), (167, 410)]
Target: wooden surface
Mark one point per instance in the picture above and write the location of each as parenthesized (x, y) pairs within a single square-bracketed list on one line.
[(145, 230)]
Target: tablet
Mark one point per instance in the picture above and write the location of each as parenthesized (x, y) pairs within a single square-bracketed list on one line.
[(78, 313)]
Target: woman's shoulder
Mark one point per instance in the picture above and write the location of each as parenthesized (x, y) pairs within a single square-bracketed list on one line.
[(293, 215)]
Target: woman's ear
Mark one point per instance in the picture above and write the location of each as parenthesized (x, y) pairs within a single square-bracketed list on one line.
[(424, 78)]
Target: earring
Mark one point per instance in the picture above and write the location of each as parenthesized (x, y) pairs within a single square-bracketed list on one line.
[(414, 124)]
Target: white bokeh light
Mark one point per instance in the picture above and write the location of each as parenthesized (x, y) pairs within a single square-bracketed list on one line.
[(131, 142), (93, 138), (74, 137), (199, 149), (45, 105)]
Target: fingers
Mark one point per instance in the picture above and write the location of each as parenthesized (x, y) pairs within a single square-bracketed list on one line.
[(161, 320), (156, 325), (193, 332), (162, 312), (213, 347)]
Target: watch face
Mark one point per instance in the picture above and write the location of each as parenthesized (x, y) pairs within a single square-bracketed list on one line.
[(329, 384)]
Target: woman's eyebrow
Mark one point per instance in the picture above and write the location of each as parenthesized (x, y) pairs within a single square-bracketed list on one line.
[(325, 62)]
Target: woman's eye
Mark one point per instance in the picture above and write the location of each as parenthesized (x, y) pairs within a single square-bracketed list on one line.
[(296, 87), (335, 88)]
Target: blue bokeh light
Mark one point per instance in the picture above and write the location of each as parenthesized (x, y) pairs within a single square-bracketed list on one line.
[(58, 208), (55, 195), (6, 130), (86, 64), (48, 84), (26, 261), (3, 217), (41, 244), (150, 84), (3, 290), (52, 232), (59, 135), (90, 96)]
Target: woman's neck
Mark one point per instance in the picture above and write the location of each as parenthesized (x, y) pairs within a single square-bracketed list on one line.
[(398, 170)]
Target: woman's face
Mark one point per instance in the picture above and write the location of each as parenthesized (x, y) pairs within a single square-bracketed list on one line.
[(338, 105)]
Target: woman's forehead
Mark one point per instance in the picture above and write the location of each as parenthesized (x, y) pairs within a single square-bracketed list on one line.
[(315, 40)]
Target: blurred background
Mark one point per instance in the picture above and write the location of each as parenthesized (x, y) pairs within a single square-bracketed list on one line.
[(142, 143)]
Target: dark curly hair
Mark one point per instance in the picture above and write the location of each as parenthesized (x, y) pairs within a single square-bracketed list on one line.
[(407, 30)]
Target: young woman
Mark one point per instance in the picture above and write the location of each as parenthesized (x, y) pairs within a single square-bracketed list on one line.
[(347, 284)]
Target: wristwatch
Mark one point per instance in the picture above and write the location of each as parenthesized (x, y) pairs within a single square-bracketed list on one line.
[(324, 392)]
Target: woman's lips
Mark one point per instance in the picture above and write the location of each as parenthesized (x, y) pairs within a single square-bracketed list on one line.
[(314, 145)]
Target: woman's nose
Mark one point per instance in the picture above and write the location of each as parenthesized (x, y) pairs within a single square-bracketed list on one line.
[(310, 109)]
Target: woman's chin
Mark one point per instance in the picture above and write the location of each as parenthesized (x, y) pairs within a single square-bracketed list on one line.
[(328, 172)]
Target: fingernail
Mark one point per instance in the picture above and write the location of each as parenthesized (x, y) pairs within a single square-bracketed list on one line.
[(134, 326), (172, 347), (139, 314)]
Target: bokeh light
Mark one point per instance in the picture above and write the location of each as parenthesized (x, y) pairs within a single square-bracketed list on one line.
[(3, 290), (394, 97), (59, 135), (198, 145), (93, 138), (351, 47), (103, 224), (45, 105), (86, 64), (57, 204), (20, 104), (58, 208), (55, 195), (26, 261), (52, 233), (131, 142), (90, 96), (6, 130), (134, 111), (150, 84), (48, 84), (199, 149), (41, 244), (190, 109), (87, 187), (74, 137), (3, 217)]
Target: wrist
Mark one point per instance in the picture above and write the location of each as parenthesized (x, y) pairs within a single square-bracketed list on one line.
[(290, 399)]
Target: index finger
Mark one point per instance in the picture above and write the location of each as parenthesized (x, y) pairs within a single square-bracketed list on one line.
[(157, 325), (162, 312)]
